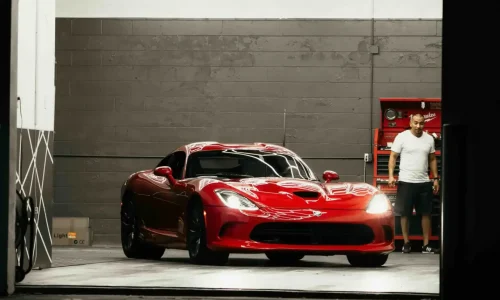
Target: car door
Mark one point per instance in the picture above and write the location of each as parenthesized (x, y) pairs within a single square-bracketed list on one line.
[(169, 200), (146, 204)]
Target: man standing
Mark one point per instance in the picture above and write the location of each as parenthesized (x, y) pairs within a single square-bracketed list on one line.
[(415, 189)]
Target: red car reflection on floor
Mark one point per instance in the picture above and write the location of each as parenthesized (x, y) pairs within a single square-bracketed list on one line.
[(214, 199)]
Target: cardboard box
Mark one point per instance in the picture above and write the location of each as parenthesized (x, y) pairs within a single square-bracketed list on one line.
[(71, 232)]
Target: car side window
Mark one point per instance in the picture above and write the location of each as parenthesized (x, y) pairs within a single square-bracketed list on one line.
[(164, 162), (176, 162)]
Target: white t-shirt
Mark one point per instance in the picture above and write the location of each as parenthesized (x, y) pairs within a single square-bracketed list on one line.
[(414, 156)]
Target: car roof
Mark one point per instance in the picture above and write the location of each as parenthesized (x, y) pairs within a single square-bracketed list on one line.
[(214, 146)]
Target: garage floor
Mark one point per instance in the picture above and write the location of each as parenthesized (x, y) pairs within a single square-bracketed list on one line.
[(408, 273)]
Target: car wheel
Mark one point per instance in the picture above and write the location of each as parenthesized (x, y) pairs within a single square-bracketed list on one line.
[(199, 253), (285, 258), (367, 260), (132, 244)]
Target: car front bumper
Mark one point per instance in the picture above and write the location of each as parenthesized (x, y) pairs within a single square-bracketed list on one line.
[(321, 232)]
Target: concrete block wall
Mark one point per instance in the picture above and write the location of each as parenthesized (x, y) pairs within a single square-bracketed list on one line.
[(129, 90)]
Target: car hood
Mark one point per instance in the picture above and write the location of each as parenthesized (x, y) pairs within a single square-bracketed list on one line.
[(299, 193)]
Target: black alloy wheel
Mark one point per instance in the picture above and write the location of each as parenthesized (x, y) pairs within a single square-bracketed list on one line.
[(199, 253), (133, 246)]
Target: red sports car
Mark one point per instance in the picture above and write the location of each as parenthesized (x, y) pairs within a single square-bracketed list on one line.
[(214, 199)]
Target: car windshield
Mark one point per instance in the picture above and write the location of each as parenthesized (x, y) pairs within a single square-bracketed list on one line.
[(247, 164)]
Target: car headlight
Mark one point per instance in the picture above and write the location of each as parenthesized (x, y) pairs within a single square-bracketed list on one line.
[(379, 204), (235, 200)]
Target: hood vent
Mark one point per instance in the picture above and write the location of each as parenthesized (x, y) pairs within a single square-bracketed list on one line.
[(307, 194)]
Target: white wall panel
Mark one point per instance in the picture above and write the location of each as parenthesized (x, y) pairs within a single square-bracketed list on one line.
[(36, 59), (45, 85), (254, 9), (408, 9), (26, 64)]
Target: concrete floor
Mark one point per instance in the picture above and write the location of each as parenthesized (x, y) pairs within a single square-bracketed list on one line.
[(105, 267)]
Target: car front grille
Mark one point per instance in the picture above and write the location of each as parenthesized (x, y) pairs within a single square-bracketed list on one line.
[(312, 233)]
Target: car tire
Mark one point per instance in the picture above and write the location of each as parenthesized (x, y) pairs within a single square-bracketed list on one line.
[(133, 246), (196, 241), (284, 257), (367, 260)]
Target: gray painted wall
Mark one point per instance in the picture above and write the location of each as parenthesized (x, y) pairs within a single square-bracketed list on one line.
[(143, 87)]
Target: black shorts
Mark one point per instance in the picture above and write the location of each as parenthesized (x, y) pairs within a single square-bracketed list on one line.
[(414, 195)]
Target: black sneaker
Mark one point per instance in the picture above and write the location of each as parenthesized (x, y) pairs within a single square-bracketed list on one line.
[(406, 248), (429, 249)]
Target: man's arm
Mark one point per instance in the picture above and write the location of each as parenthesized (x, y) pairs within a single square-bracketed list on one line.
[(433, 165), (392, 163), (396, 148), (433, 161)]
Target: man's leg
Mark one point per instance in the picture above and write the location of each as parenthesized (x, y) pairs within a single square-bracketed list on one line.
[(426, 227), (405, 228), (423, 206), (404, 207)]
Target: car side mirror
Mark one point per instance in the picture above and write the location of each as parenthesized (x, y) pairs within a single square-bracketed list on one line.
[(166, 172), (330, 175)]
